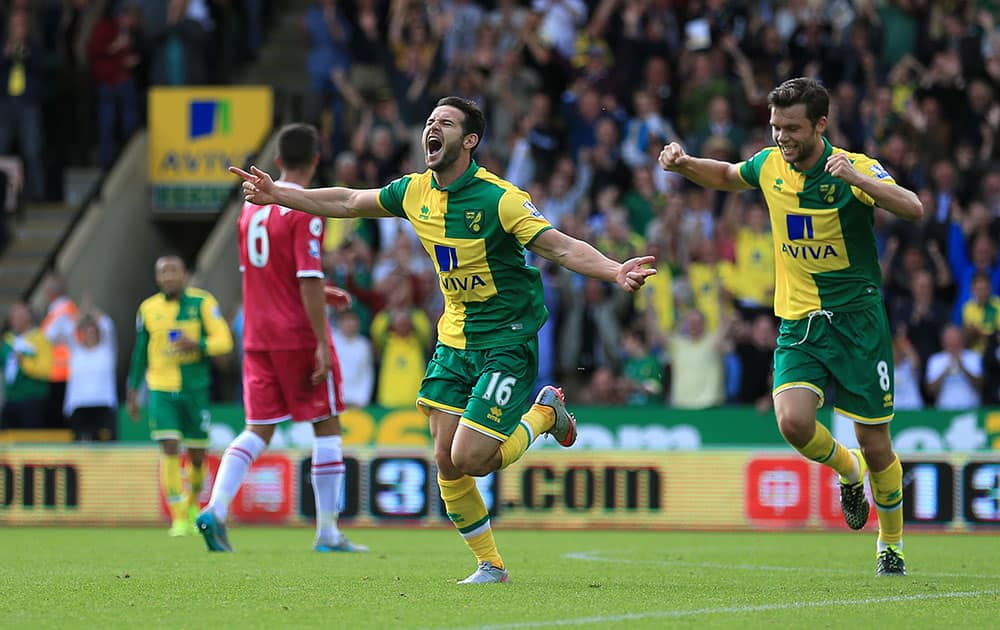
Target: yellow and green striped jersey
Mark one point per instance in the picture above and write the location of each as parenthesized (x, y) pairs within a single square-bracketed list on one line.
[(824, 242), (475, 230), (751, 277), (159, 322), (706, 292)]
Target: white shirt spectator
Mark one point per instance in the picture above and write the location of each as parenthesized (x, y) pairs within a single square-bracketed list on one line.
[(91, 380), (357, 365), (560, 20), (957, 392)]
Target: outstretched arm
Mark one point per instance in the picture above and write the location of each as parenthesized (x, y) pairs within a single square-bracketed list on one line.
[(702, 171), (336, 202), (581, 257)]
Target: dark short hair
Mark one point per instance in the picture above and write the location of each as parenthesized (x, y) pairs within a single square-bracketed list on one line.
[(802, 91), (298, 145), (979, 275), (474, 121)]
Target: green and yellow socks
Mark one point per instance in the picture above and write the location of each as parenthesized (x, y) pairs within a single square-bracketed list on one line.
[(887, 490), (468, 512), (183, 504), (173, 487), (196, 482), (886, 485), (824, 449), (465, 505), (536, 421)]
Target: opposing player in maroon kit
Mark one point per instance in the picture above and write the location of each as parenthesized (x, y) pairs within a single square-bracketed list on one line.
[(290, 370)]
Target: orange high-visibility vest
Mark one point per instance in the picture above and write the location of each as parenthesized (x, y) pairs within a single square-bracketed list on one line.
[(60, 352)]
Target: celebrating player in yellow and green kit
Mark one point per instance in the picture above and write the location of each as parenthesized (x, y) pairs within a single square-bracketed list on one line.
[(177, 331), (475, 227), (833, 323)]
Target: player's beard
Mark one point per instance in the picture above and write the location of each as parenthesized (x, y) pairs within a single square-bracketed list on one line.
[(801, 152), (447, 156)]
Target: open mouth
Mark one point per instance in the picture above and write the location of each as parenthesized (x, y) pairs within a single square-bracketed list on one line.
[(434, 146)]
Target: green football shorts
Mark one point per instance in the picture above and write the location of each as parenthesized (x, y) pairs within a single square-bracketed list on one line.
[(854, 348), (490, 389), (182, 416)]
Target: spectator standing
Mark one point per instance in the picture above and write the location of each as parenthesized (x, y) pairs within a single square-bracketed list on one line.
[(402, 335), (954, 375), (642, 375), (980, 313), (697, 378), (178, 48), (27, 361), (91, 391), (113, 55), (21, 63), (329, 34), (922, 316), (750, 279), (965, 266), (357, 361), (559, 22), (58, 307)]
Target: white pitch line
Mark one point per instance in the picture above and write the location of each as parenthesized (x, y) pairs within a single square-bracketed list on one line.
[(595, 556), (672, 614)]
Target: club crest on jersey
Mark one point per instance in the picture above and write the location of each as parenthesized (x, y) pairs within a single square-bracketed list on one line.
[(474, 220), (828, 192)]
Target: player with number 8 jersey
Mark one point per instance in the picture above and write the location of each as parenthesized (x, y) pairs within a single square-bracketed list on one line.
[(290, 369), (833, 323)]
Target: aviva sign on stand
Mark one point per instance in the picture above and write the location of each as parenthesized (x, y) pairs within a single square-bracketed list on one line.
[(196, 134)]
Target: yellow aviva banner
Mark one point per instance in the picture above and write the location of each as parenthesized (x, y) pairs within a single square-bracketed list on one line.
[(70, 485), (196, 133)]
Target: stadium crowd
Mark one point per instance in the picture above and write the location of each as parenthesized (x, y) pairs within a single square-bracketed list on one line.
[(580, 97), (74, 75)]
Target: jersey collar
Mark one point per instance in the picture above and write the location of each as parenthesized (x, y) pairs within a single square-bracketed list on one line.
[(180, 296), (820, 164), (462, 181)]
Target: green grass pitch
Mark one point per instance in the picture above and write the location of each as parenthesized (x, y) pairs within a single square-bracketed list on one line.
[(137, 578)]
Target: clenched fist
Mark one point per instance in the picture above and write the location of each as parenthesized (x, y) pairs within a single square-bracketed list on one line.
[(841, 167), (672, 157)]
